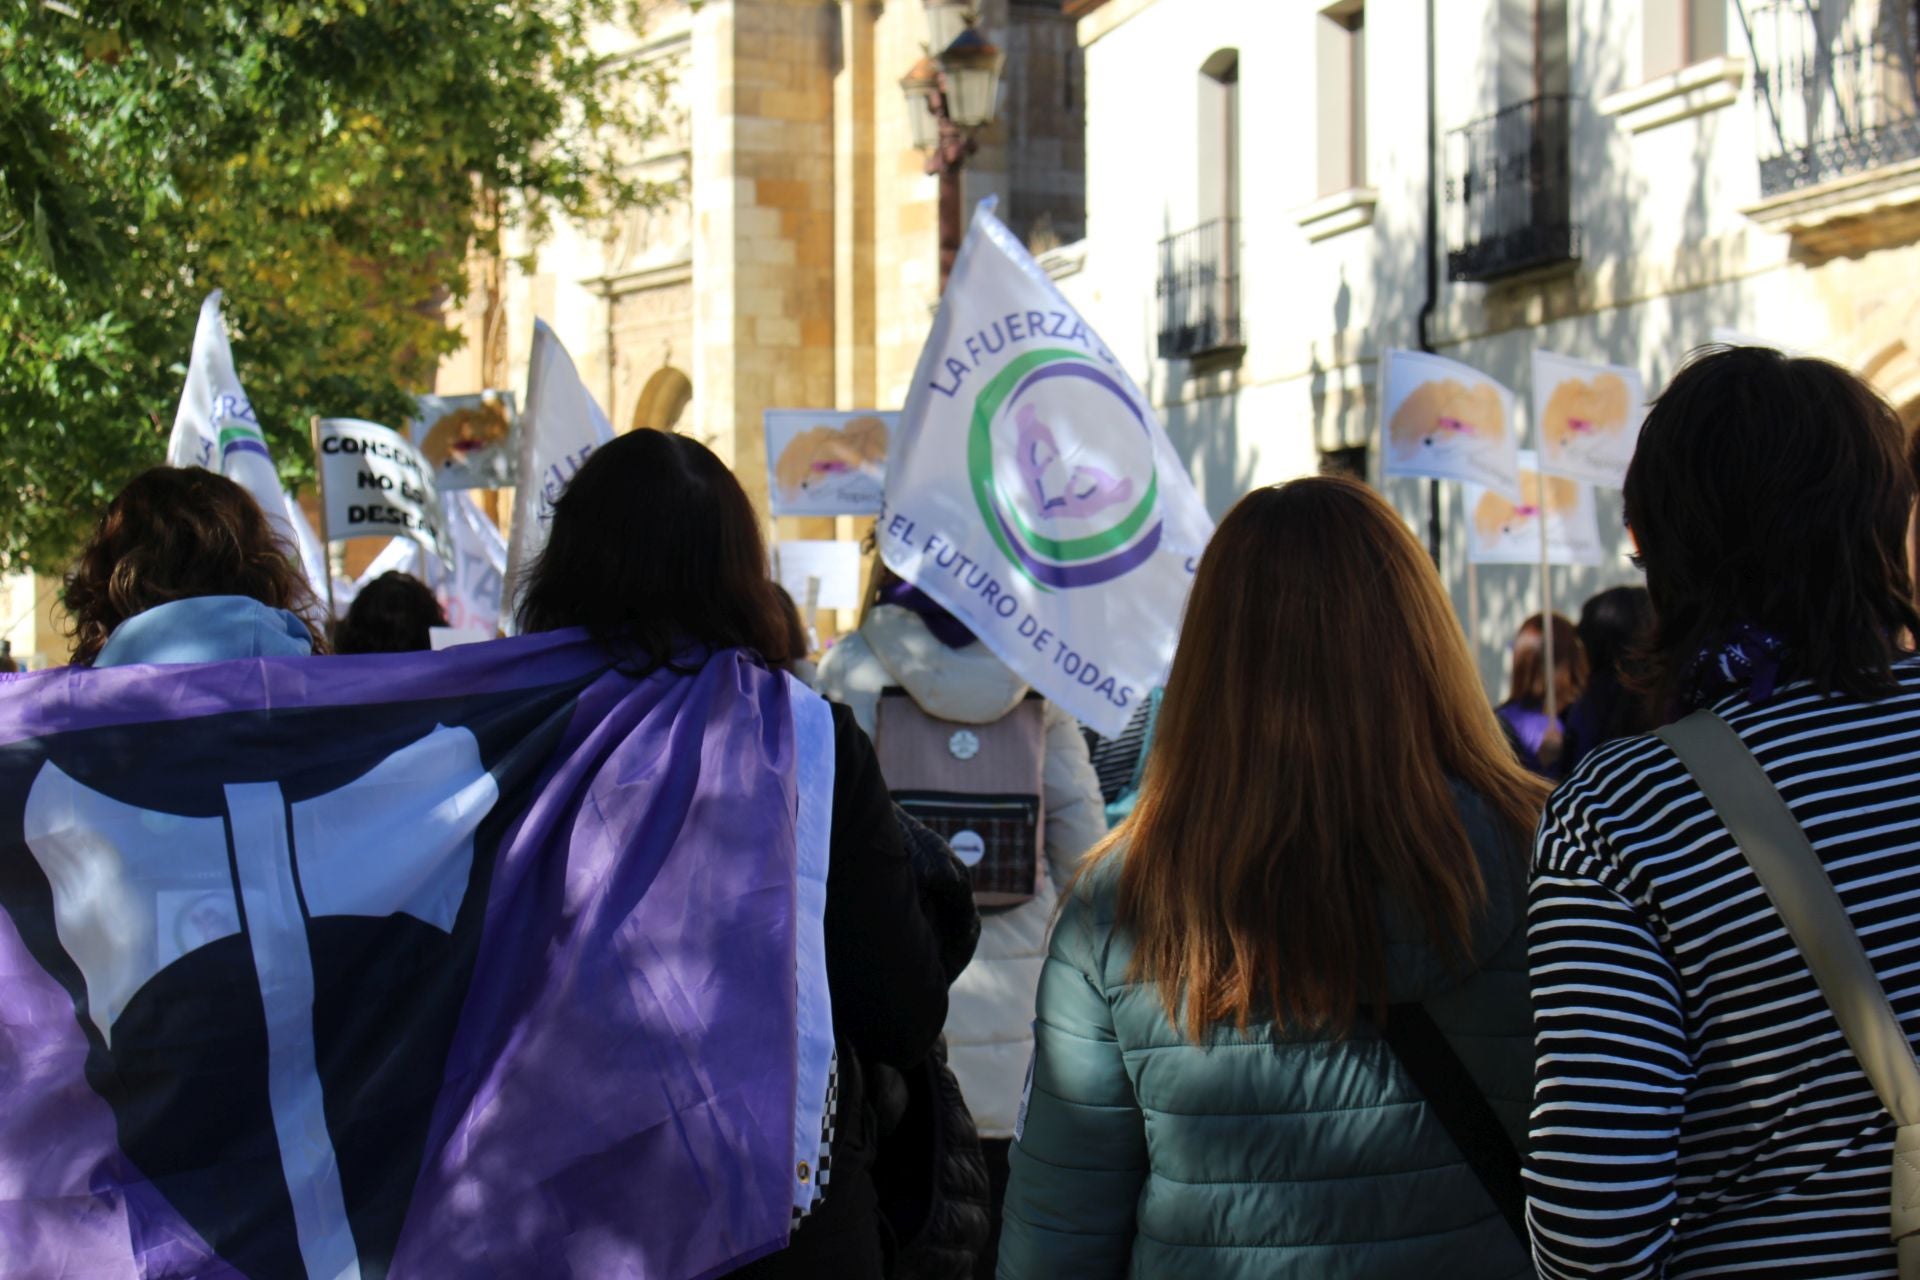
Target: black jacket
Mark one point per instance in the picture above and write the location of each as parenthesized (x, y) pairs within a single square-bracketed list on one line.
[(889, 991), (934, 1195)]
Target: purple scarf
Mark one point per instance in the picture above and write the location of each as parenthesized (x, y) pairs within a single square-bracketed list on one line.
[(1746, 659), (946, 628)]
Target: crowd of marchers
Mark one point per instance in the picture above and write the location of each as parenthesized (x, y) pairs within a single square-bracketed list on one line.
[(1326, 967)]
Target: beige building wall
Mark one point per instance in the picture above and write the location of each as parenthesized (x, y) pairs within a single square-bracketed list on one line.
[(1677, 241), (32, 621)]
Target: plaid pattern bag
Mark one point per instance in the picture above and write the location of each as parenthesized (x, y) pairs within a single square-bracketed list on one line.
[(978, 786)]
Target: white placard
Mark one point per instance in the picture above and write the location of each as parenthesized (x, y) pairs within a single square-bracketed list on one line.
[(1502, 531), (448, 637), (466, 439), (376, 485), (836, 566), (1447, 421), (827, 462), (1586, 417)]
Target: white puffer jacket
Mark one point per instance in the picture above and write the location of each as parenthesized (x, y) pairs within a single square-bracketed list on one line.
[(990, 1011)]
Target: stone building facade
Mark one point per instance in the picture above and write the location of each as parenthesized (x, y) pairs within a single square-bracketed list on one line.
[(794, 263), (1617, 180)]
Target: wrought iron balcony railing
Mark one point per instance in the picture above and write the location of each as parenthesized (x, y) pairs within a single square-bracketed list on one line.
[(1199, 290), (1509, 191), (1837, 96)]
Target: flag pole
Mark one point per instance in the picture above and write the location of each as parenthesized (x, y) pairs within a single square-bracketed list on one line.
[(326, 540), (1546, 593), (1473, 611)]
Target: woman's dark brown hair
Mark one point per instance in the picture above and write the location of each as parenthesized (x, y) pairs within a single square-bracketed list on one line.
[(655, 548), (1321, 708), (1528, 683), (1773, 491), (174, 533)]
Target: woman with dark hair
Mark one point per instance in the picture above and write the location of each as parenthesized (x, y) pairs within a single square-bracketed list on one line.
[(797, 643), (1611, 625), (1538, 737), (655, 548), (1339, 836), (395, 613), (183, 567), (1697, 1111)]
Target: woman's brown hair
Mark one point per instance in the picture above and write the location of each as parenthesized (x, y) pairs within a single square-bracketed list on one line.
[(1321, 707), (172, 534), (1528, 683)]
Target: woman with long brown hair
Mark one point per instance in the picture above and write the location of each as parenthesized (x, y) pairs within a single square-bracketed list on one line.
[(1331, 827)]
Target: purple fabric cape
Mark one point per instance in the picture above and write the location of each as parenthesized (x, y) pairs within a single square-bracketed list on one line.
[(617, 1098)]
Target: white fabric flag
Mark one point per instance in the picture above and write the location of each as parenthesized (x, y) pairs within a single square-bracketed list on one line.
[(313, 556), (471, 593), (1032, 492), (561, 426), (215, 428)]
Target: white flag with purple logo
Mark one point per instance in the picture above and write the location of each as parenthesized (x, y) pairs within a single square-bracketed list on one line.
[(1032, 492), (215, 427), (561, 426)]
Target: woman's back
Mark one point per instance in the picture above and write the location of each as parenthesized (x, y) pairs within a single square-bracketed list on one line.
[(1339, 836), (1759, 1132), (1264, 1153)]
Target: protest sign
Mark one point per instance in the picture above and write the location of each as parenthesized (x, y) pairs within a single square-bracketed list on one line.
[(833, 568), (1586, 417), (466, 439), (472, 590), (1502, 531), (215, 428), (374, 484), (562, 425), (1032, 492), (826, 462), (1447, 421)]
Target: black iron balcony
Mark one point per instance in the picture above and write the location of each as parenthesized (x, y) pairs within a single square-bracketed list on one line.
[(1199, 290), (1837, 104), (1510, 192)]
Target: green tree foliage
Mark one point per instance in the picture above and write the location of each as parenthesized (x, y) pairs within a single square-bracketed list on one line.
[(331, 164)]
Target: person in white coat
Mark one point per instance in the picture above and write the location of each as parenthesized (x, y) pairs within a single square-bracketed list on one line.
[(907, 641)]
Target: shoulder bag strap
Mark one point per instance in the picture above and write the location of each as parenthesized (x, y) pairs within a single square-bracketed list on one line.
[(1817, 921), (1461, 1108)]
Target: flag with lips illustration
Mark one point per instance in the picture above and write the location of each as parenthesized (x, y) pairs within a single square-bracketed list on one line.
[(1032, 492), (469, 964)]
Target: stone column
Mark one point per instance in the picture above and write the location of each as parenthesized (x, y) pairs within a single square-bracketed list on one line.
[(762, 96)]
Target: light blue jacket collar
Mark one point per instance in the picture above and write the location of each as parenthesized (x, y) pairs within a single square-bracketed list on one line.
[(206, 629)]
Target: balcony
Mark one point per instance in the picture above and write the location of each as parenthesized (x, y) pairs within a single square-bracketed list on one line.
[(1199, 291), (1509, 192), (1840, 127)]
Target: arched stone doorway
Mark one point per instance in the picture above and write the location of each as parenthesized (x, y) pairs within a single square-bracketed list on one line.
[(663, 401)]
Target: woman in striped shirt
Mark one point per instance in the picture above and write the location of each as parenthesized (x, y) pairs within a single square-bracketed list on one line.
[(1696, 1111)]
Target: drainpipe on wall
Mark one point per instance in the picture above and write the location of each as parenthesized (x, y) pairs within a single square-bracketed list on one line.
[(1428, 307)]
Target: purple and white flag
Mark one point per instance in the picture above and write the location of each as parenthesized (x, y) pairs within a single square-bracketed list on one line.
[(478, 963), (215, 427)]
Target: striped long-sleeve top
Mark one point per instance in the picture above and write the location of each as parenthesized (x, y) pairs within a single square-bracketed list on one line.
[(1696, 1111)]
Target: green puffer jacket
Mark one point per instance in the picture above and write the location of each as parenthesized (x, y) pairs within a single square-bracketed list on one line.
[(1269, 1154)]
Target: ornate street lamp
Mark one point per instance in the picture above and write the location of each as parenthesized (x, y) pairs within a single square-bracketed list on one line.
[(950, 97)]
